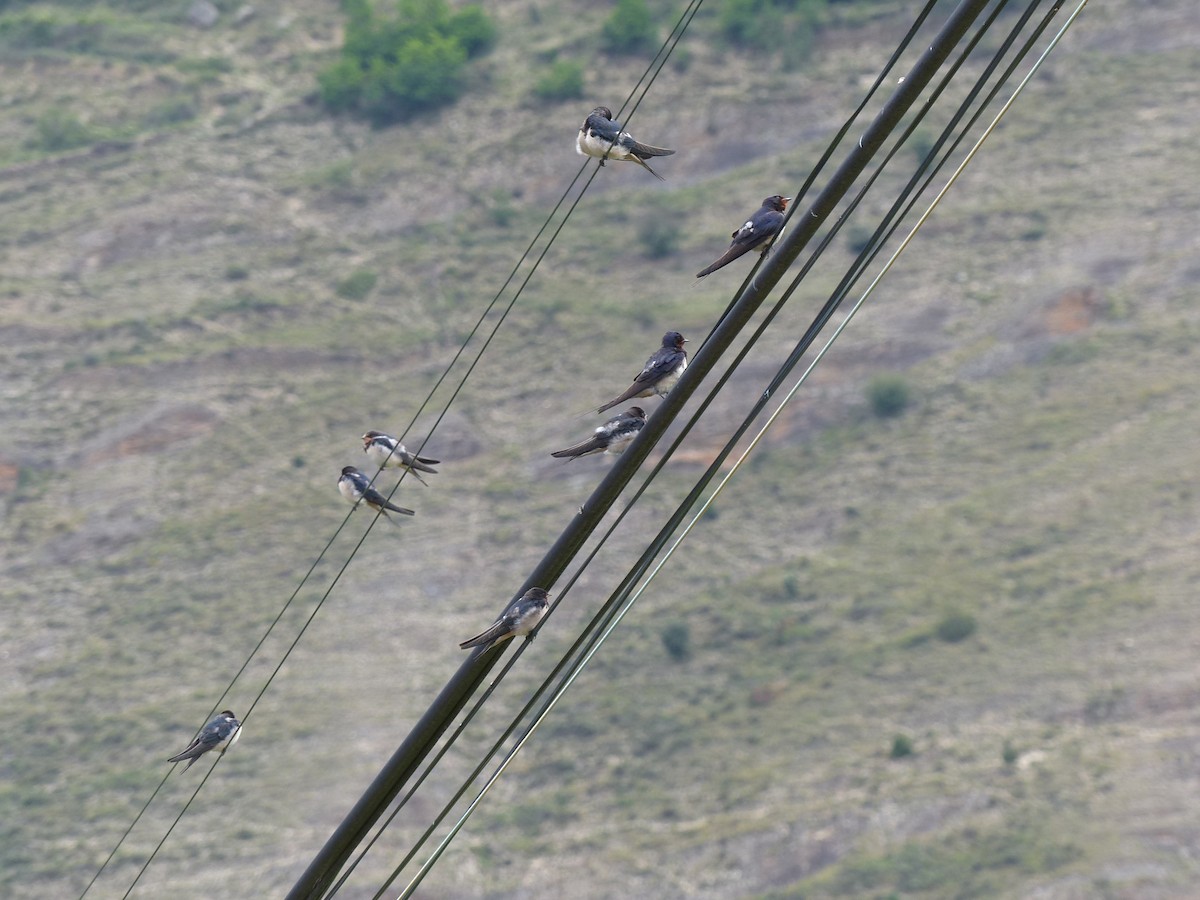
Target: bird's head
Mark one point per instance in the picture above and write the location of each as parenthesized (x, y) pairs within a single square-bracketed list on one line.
[(674, 340)]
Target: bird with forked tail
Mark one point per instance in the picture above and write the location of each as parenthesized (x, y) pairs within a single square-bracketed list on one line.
[(220, 733), (659, 374), (757, 231), (386, 451), (521, 616), (612, 437), (602, 138), (355, 486)]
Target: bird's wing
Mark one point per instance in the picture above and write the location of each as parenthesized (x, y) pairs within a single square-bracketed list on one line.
[(502, 628), (583, 448), (639, 149), (606, 129), (375, 498), (659, 366)]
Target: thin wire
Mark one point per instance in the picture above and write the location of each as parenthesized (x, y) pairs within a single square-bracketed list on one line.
[(163, 840), (581, 641), (660, 59), (745, 454), (337, 532), (829, 151), (668, 45), (132, 825), (220, 701), (589, 630)]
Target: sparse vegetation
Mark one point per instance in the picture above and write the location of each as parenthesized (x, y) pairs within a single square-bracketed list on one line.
[(184, 384), (630, 29), (562, 81), (660, 233), (59, 129)]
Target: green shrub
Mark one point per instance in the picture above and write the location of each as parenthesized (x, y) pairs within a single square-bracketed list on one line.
[(902, 746), (677, 639), (357, 285), (629, 29), (471, 27), (395, 67), (58, 129), (501, 210), (888, 395), (956, 626), (562, 81), (659, 234), (762, 25)]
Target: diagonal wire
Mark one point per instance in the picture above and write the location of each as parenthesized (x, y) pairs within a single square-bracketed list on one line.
[(787, 399), (524, 711), (656, 66), (583, 638), (661, 59)]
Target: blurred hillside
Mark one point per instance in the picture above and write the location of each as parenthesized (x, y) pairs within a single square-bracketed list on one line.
[(949, 653)]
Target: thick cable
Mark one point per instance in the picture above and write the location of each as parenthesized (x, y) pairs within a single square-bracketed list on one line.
[(441, 379), (502, 739), (745, 454)]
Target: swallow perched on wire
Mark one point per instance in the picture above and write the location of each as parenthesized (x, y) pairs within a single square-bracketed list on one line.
[(384, 450), (355, 486), (611, 437), (754, 233), (520, 618), (659, 374), (602, 138), (221, 732)]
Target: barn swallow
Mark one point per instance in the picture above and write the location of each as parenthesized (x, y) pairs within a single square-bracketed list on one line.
[(660, 373), (611, 437), (602, 138), (221, 733), (520, 618), (355, 486), (755, 232), (384, 450)]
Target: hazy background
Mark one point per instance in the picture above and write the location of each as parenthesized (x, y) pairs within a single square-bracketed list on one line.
[(945, 653)]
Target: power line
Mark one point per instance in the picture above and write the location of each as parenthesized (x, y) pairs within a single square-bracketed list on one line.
[(652, 70), (453, 697), (621, 593), (627, 604), (582, 641)]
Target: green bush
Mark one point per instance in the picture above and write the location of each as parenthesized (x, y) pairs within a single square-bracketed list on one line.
[(956, 626), (888, 395), (659, 234), (395, 67), (902, 746), (57, 129), (473, 30), (357, 285), (763, 25), (677, 639), (562, 81), (629, 29)]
